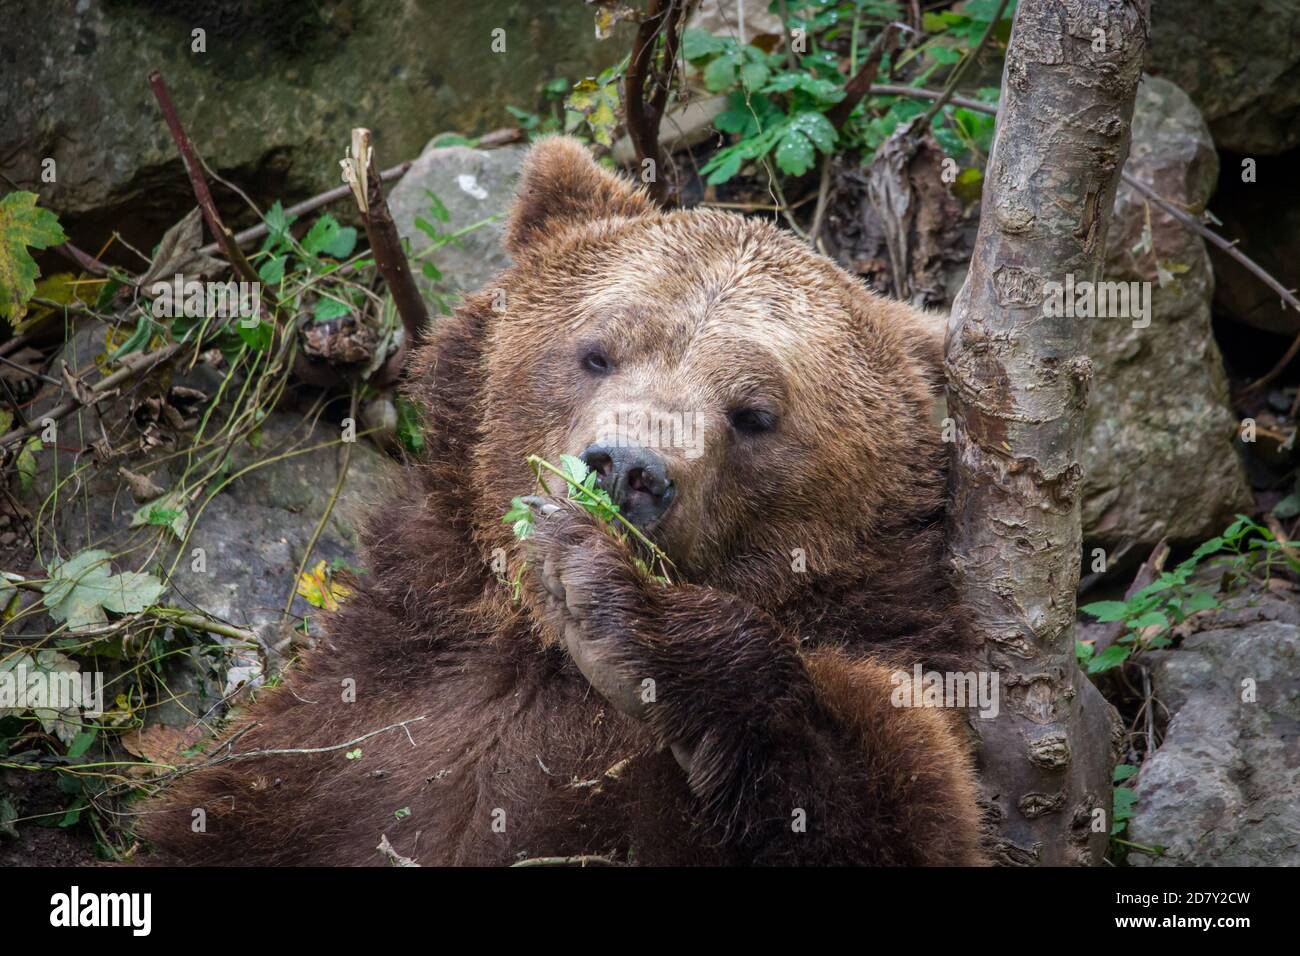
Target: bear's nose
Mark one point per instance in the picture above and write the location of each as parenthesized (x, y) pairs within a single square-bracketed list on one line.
[(636, 478)]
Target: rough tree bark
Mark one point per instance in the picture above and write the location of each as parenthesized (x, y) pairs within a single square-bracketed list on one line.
[(1018, 384)]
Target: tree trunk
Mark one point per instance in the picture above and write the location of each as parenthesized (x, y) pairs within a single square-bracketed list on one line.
[(1018, 383)]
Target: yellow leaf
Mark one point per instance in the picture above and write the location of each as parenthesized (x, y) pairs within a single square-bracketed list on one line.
[(318, 590)]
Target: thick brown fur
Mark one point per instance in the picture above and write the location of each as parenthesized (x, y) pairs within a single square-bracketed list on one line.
[(807, 570)]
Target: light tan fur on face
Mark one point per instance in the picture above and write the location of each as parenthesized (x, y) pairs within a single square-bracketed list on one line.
[(702, 312)]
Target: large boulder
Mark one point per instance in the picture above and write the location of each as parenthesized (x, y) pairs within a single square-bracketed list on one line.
[(1223, 787), (1158, 450), (271, 100), (474, 187), (253, 522), (1239, 62)]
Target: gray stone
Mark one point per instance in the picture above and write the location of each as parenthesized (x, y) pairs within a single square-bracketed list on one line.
[(253, 532), (476, 187), (1223, 788), (1158, 452), (1239, 62), (273, 99)]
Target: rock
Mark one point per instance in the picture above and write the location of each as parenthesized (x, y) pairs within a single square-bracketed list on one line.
[(252, 533), (272, 99), (476, 187), (1223, 788), (1239, 62), (723, 18), (1158, 451), (682, 127)]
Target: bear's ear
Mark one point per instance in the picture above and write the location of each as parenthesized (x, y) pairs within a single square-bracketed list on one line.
[(561, 183)]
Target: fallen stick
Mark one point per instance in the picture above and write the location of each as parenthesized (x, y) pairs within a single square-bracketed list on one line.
[(132, 366)]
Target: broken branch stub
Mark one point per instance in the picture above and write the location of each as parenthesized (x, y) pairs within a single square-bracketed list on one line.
[(1018, 376), (360, 173)]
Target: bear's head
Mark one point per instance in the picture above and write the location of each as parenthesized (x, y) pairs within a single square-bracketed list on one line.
[(759, 413)]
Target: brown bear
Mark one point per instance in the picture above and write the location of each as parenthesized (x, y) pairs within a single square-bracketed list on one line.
[(740, 712)]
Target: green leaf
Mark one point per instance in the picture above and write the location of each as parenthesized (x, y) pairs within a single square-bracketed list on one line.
[(697, 44), (436, 205), (327, 309), (794, 153), (277, 226), (1149, 619), (721, 73), (1106, 611), (258, 337), (82, 588), (26, 463), (944, 56), (23, 226), (817, 128), (327, 237), (575, 471), (520, 518), (168, 511), (428, 228), (754, 75), (271, 272), (1125, 799), (1200, 601), (410, 429), (1123, 772), (1208, 548), (1111, 657), (74, 812), (81, 743), (63, 723)]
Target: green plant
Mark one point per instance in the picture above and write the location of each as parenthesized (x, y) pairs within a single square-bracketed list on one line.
[(777, 102), (581, 487), (1150, 614)]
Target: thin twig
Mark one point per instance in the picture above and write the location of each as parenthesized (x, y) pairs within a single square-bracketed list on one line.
[(823, 192), (133, 365), (1191, 222), (584, 860), (29, 371), (325, 515), (861, 83), (169, 615), (201, 191), (288, 751)]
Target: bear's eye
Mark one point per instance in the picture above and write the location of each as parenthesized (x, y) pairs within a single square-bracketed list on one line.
[(751, 421), (597, 362)]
